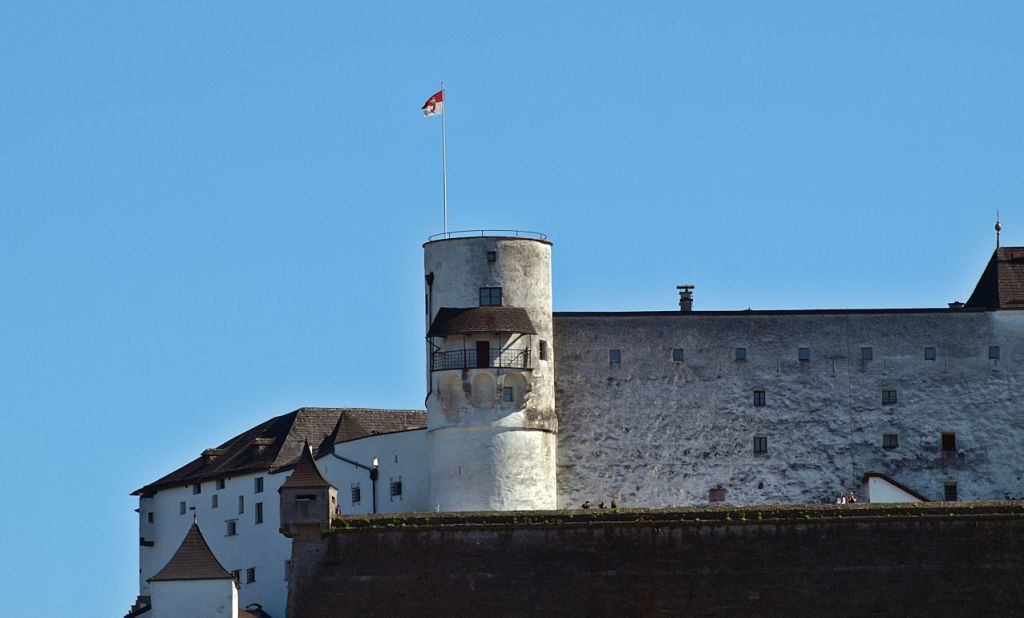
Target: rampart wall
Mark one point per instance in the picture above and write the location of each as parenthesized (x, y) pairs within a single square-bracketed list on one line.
[(930, 559)]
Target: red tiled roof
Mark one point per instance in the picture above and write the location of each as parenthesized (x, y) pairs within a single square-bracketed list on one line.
[(1001, 285), (193, 560)]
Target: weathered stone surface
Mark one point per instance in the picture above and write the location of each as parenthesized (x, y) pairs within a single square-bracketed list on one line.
[(943, 559), (652, 432), (486, 452)]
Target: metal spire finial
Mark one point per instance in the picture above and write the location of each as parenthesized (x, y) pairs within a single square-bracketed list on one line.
[(999, 228)]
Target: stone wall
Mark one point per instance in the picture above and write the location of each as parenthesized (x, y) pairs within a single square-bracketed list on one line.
[(655, 433), (933, 559)]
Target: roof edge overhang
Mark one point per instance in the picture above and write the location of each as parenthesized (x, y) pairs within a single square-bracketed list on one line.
[(450, 321)]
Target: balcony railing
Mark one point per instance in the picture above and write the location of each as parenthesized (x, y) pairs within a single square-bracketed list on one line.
[(467, 359), (471, 233)]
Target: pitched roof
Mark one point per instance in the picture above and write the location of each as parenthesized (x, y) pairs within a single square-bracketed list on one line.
[(306, 473), (466, 320), (1001, 285), (273, 445), (356, 424), (193, 560), (872, 473)]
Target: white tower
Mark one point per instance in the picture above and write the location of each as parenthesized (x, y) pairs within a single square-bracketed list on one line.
[(491, 421)]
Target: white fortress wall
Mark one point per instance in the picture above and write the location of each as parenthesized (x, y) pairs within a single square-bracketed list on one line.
[(653, 432), (215, 598), (254, 545), (401, 457)]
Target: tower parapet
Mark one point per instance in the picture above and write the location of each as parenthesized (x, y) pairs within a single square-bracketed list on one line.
[(490, 404)]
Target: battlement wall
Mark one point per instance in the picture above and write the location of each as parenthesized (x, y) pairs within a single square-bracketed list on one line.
[(934, 558)]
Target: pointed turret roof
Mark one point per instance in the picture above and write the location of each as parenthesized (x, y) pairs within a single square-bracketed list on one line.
[(306, 473), (1001, 285), (193, 560)]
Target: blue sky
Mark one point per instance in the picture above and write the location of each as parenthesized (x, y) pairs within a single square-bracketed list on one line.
[(212, 213)]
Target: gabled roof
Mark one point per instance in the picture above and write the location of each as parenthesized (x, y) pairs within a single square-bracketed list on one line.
[(193, 560), (873, 474), (468, 320), (1001, 285), (273, 445), (306, 473), (356, 424)]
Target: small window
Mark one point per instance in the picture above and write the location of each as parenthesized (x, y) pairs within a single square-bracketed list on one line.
[(929, 353), (948, 442), (993, 352), (250, 575), (760, 445), (241, 504), (804, 354), (888, 396), (237, 575), (306, 498), (181, 508), (716, 495), (759, 398), (396, 488), (615, 356), (492, 256), (220, 483), (214, 501), (258, 483), (357, 493), (543, 350), (890, 440), (287, 569), (949, 495), (149, 517), (507, 394), (197, 488), (677, 355), (259, 513), (232, 527), (490, 297), (741, 354), (867, 354)]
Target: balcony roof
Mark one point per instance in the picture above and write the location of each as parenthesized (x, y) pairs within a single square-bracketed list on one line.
[(469, 320)]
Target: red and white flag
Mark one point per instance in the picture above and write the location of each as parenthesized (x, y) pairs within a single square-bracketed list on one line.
[(434, 105)]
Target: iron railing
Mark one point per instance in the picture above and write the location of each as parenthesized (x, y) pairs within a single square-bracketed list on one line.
[(467, 359), (471, 233)]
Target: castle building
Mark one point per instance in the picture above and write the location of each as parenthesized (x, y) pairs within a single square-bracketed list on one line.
[(527, 408)]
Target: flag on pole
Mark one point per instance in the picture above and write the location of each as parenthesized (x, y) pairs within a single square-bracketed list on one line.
[(434, 105)]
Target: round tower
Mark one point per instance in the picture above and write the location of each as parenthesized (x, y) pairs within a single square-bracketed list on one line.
[(491, 422)]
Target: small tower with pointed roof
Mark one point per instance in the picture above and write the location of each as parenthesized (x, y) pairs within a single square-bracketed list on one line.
[(194, 583), (307, 498)]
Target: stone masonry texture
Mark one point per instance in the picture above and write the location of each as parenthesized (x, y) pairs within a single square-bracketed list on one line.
[(892, 560), (655, 433)]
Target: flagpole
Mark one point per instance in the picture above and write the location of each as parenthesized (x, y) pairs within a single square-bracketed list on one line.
[(444, 161)]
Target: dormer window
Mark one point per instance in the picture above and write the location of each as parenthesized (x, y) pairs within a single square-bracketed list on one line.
[(490, 297)]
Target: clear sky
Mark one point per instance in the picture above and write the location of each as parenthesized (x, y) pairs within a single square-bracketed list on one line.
[(211, 213)]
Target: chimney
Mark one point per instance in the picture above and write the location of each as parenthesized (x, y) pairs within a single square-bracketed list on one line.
[(685, 297)]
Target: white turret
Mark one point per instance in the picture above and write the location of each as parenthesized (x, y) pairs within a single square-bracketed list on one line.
[(491, 396)]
